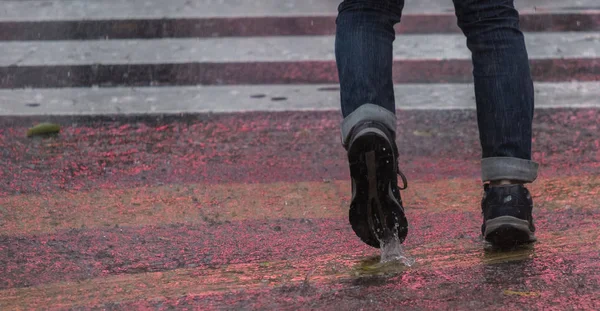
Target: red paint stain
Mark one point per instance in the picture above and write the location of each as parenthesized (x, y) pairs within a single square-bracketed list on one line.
[(269, 147)]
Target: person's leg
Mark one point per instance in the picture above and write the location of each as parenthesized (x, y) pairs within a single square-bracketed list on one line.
[(505, 107), (363, 49)]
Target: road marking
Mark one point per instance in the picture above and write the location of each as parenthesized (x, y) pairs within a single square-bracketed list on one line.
[(271, 49), (245, 98), (201, 203), (44, 10), (431, 259)]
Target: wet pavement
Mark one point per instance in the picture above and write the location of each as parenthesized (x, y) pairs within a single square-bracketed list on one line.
[(249, 211), (199, 164)]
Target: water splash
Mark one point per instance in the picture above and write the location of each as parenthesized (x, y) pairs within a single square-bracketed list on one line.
[(392, 251), (393, 261)]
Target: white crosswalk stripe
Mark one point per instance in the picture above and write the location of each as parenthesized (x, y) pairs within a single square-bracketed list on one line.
[(47, 54), (41, 10), (241, 98), (270, 49)]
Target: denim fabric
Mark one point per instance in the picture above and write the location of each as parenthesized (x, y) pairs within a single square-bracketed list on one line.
[(502, 78)]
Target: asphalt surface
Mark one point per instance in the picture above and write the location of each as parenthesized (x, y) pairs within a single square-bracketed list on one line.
[(199, 163), (249, 211)]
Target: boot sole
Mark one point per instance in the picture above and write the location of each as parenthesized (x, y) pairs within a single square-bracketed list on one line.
[(506, 231), (375, 214)]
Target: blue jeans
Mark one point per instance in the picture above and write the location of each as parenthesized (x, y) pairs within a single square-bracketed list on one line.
[(502, 78)]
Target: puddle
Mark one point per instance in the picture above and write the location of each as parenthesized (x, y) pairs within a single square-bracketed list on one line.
[(501, 255), (393, 260), (374, 266)]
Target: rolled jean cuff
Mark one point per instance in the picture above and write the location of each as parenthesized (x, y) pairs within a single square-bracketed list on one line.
[(367, 112), (498, 168)]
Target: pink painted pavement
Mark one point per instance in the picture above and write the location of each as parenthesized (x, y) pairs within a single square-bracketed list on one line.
[(248, 211)]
